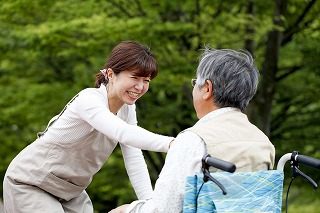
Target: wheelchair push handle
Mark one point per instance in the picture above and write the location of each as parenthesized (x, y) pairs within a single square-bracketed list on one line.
[(208, 161), (295, 157), (308, 161), (219, 164)]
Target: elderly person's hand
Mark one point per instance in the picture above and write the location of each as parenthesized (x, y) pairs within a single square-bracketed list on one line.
[(120, 209)]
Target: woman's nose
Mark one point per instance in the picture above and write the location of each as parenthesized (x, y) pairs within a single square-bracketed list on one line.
[(139, 85)]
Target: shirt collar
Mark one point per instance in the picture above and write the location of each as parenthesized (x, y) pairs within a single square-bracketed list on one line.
[(216, 113)]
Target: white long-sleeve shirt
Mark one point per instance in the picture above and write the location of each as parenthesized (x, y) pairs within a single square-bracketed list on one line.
[(77, 144)]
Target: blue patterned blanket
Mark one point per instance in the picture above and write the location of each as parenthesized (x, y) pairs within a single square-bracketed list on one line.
[(246, 192)]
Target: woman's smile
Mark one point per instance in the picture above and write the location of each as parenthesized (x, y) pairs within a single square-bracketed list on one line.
[(133, 94)]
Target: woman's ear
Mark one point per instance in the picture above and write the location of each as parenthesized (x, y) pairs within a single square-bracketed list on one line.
[(208, 90), (110, 73)]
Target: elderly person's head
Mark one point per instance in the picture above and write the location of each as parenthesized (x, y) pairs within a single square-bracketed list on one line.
[(232, 74)]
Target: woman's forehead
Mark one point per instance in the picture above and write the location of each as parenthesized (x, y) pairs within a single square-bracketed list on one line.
[(137, 73)]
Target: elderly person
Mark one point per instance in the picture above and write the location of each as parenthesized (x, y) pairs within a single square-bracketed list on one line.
[(226, 82)]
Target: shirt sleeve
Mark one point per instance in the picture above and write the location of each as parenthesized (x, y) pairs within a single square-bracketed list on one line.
[(135, 163), (137, 171), (94, 111), (168, 194)]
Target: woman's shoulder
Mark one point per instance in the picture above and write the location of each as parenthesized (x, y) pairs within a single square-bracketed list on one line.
[(90, 91), (91, 96), (93, 92)]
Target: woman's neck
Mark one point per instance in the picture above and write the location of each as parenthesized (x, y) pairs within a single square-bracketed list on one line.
[(114, 103), (114, 107)]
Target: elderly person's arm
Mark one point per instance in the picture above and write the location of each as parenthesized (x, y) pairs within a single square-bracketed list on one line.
[(168, 194)]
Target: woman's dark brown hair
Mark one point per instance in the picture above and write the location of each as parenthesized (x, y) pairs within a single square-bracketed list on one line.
[(130, 56)]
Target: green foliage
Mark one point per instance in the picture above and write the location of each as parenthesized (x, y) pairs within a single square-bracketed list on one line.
[(302, 197), (296, 112), (49, 50)]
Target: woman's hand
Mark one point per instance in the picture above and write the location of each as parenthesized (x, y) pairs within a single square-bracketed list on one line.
[(120, 209)]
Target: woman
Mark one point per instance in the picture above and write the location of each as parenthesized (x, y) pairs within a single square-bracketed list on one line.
[(52, 173)]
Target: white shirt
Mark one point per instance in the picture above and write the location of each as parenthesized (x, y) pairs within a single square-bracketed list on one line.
[(168, 194), (79, 142)]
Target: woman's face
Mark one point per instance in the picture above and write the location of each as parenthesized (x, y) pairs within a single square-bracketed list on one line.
[(126, 87)]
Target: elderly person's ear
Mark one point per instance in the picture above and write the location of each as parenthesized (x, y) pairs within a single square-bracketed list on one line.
[(208, 87)]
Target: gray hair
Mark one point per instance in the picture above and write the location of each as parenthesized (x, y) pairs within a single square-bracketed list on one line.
[(233, 75)]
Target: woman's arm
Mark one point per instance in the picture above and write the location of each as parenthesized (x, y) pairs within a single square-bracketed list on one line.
[(94, 111), (137, 171)]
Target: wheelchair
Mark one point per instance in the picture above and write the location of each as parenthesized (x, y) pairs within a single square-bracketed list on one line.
[(230, 191)]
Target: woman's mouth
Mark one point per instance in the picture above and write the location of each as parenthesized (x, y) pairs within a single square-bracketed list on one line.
[(133, 94)]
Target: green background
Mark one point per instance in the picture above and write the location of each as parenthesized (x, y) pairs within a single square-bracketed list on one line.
[(51, 49)]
